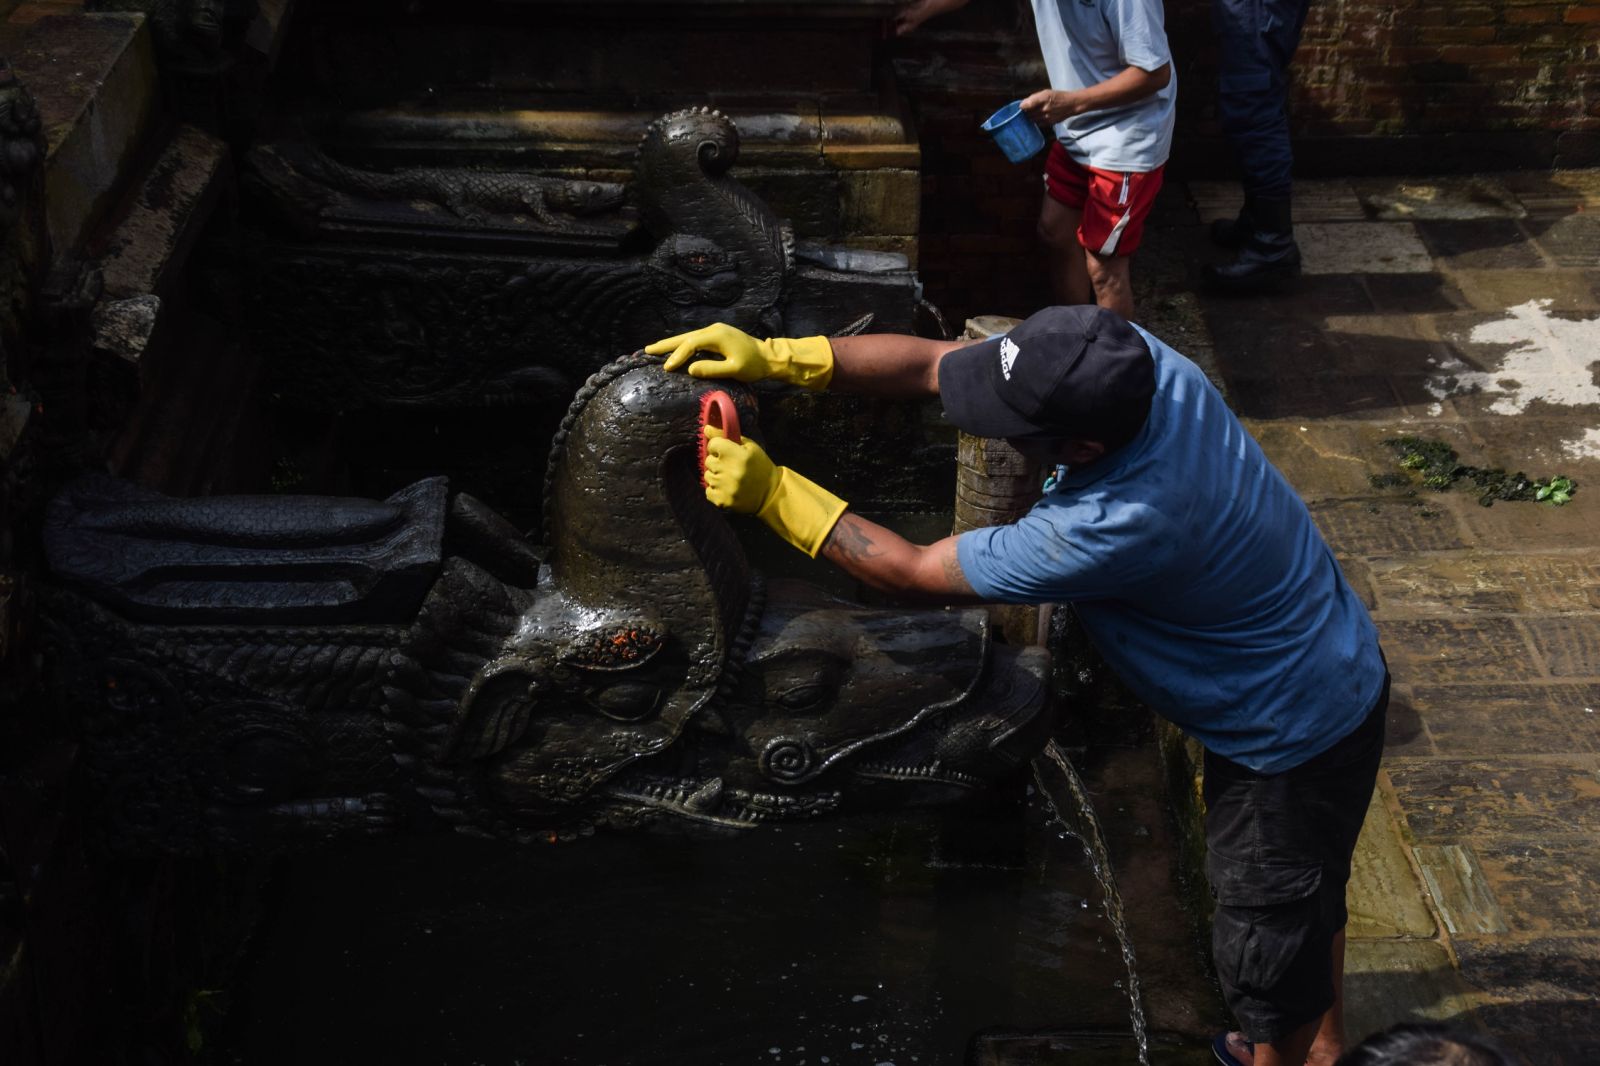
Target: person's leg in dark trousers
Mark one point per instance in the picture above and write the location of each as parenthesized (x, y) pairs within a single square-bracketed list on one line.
[(1257, 40), (1279, 848)]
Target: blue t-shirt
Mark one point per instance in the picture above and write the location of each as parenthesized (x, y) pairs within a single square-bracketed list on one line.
[(1202, 579), (1084, 42)]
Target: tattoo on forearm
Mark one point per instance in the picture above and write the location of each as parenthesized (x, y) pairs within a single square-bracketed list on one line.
[(850, 541), (954, 576)]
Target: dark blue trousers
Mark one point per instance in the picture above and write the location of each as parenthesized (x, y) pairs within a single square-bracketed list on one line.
[(1257, 39)]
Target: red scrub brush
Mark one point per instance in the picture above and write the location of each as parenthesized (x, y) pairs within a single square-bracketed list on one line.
[(717, 409)]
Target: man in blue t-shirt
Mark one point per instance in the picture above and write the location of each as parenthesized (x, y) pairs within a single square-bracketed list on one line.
[(1111, 104), (1194, 567)]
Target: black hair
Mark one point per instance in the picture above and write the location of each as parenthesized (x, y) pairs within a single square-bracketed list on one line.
[(1426, 1044)]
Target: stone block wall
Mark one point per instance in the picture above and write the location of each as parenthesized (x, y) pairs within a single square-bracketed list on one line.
[(1494, 84)]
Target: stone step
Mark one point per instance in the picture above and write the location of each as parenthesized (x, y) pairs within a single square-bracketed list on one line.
[(143, 252), (93, 76)]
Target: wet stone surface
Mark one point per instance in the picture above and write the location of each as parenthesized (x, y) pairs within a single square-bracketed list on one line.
[(1567, 290), (1512, 798), (1439, 198), (1413, 294), (1488, 583), (1569, 241), (1547, 884), (1321, 396), (1495, 244), (1569, 646), (1370, 248), (1526, 719), (1544, 994), (1441, 649), (1380, 526)]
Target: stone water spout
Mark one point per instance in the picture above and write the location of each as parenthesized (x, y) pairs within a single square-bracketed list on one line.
[(256, 671)]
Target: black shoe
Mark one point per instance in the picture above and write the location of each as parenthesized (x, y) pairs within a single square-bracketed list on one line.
[(1268, 257)]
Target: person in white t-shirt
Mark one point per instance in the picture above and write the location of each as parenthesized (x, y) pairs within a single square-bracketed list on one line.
[(1110, 101)]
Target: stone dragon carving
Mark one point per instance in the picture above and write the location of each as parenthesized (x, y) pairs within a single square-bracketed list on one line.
[(684, 159), (471, 195), (517, 315), (255, 671)]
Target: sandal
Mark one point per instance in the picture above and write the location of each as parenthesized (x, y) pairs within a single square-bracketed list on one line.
[(1219, 1048)]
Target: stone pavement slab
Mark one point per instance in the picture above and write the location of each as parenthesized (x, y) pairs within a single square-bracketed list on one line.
[(1569, 645), (1331, 200), (1410, 979), (1492, 290), (1362, 248), (1559, 192), (1530, 526), (1539, 993), (1509, 798), (1470, 197), (1483, 720), (1459, 649), (1548, 884), (1410, 294), (1459, 889), (1386, 526), (1555, 443), (1569, 241), (1486, 583), (1383, 899), (1487, 244)]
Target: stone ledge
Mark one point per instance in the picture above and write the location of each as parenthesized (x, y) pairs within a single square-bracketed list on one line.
[(94, 78), (1384, 899), (164, 215)]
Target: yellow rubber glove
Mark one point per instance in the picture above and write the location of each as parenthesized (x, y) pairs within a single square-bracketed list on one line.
[(804, 361), (740, 478)]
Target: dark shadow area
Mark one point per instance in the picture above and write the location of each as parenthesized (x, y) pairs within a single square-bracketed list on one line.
[(1551, 1017), (863, 940)]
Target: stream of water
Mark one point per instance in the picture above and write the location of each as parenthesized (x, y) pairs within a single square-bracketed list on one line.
[(1085, 824)]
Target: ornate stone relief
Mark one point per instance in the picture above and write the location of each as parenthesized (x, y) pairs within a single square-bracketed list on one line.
[(261, 670)]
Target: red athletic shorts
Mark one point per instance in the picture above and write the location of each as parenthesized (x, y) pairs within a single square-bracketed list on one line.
[(1114, 203)]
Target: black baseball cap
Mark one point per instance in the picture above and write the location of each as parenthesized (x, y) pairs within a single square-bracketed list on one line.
[(1078, 371)]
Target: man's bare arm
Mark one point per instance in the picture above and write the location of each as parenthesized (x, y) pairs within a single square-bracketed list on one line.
[(889, 364), (890, 563)]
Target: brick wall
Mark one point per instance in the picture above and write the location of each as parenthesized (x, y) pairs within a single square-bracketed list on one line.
[(1422, 86)]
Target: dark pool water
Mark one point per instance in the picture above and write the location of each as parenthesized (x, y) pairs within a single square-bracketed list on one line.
[(862, 941)]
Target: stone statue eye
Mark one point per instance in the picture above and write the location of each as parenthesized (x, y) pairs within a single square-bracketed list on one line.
[(627, 701), (807, 696), (702, 263)]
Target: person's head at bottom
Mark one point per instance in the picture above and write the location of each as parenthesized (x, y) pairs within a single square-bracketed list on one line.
[(1425, 1044), (1067, 385)]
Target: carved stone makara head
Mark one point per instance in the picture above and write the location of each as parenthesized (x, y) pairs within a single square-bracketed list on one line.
[(413, 660)]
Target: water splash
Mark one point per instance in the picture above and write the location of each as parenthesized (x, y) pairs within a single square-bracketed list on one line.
[(1087, 829)]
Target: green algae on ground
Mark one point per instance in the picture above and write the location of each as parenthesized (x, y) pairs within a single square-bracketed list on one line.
[(1440, 469)]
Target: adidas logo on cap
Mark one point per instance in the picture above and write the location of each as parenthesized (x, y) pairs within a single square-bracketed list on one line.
[(1008, 355)]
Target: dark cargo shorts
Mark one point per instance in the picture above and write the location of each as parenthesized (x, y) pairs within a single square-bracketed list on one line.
[(1278, 850)]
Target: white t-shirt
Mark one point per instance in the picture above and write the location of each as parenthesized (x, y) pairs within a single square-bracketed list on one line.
[(1084, 43)]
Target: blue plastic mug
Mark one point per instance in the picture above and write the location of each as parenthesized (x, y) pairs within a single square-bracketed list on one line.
[(1014, 132)]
